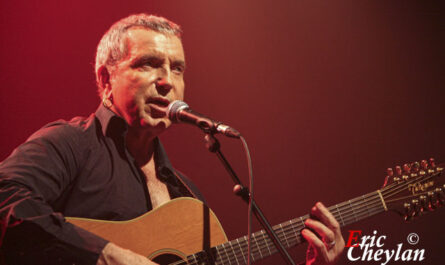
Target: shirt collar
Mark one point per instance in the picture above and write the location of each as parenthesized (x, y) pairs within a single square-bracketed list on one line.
[(164, 168), (106, 116), (111, 121)]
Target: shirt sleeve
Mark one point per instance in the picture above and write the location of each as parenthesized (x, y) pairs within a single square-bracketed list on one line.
[(33, 182)]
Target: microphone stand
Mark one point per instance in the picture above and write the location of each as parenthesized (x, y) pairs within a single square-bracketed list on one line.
[(213, 146)]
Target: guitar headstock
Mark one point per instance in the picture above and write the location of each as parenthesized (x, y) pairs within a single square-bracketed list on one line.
[(414, 188)]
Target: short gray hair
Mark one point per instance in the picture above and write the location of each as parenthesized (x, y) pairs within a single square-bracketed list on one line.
[(112, 47)]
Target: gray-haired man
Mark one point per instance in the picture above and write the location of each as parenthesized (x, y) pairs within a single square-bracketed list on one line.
[(111, 165)]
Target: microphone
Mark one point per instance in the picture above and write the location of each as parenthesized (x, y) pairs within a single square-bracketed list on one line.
[(179, 111)]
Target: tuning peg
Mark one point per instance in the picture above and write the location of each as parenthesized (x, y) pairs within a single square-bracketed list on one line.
[(424, 167), (423, 203), (439, 196), (406, 169), (398, 170), (431, 199), (408, 211), (424, 164), (389, 174), (415, 167), (416, 207), (411, 209), (432, 163)]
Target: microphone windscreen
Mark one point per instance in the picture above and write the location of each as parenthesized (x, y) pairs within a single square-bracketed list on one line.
[(174, 108)]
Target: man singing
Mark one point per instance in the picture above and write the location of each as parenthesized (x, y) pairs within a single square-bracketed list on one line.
[(111, 165)]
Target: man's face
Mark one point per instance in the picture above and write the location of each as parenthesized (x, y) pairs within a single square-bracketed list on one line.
[(148, 79)]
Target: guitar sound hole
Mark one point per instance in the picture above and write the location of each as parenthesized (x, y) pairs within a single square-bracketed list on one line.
[(166, 259)]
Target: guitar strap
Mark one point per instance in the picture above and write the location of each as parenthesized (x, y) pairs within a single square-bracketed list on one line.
[(190, 186)]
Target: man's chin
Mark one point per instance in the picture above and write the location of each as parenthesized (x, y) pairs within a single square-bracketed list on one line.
[(155, 124)]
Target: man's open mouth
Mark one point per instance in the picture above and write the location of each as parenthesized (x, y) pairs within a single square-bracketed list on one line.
[(162, 102)]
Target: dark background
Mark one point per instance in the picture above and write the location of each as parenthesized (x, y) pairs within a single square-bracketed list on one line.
[(328, 95)]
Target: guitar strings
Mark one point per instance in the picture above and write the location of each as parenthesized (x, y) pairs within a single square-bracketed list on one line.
[(293, 240), (347, 218), (390, 191), (289, 240), (404, 185), (364, 206)]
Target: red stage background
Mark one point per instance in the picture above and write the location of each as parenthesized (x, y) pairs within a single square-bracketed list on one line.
[(328, 95)]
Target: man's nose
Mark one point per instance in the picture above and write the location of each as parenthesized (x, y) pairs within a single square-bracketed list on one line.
[(164, 82)]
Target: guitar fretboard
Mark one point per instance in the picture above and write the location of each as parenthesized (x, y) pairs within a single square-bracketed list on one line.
[(235, 252)]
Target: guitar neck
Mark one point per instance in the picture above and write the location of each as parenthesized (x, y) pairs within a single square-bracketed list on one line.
[(235, 251)]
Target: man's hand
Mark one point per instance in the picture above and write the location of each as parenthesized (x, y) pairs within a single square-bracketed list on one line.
[(114, 255), (326, 248)]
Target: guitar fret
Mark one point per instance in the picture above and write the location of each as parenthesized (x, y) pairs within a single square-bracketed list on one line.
[(284, 233), (289, 235), (339, 214), (191, 261), (367, 209), (233, 251), (256, 242), (302, 222), (295, 234), (265, 240), (252, 256), (217, 257), (353, 212), (292, 226), (227, 255), (242, 252)]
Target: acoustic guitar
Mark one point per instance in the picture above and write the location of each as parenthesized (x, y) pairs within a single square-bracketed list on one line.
[(185, 231)]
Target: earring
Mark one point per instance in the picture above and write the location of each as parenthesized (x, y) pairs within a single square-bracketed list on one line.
[(107, 102)]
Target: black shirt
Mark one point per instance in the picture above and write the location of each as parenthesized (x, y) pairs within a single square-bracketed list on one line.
[(79, 168)]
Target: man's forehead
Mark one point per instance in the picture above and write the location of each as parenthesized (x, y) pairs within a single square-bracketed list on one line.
[(142, 38)]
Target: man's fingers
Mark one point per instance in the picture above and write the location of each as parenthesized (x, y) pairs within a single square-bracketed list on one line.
[(312, 239), (324, 224), (326, 233), (326, 217)]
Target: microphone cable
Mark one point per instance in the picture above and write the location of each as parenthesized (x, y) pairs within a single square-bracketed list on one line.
[(249, 211)]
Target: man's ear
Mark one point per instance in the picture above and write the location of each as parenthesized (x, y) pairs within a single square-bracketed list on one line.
[(104, 79)]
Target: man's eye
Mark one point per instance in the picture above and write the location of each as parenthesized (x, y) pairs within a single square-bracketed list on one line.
[(178, 69), (153, 63), (148, 63), (141, 65)]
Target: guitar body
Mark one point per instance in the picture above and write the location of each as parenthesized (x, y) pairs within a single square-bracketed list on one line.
[(180, 227)]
